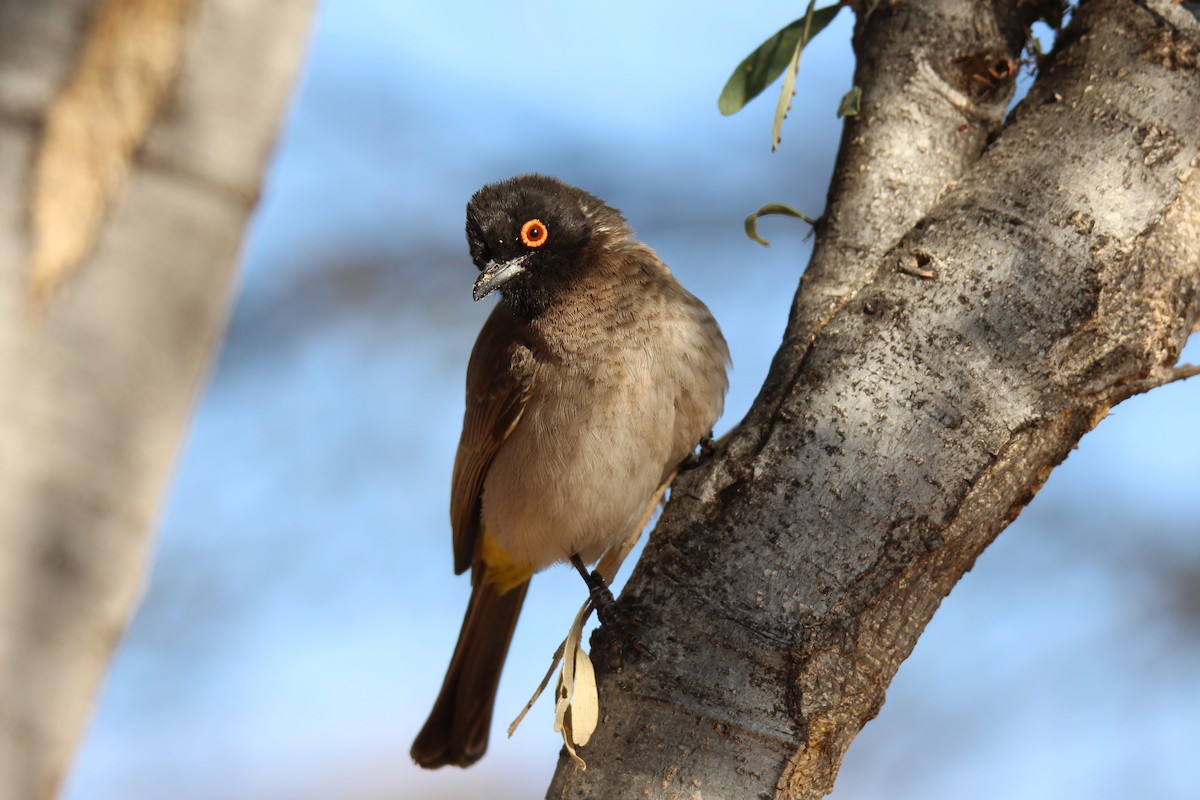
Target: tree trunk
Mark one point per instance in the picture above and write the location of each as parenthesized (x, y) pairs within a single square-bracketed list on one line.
[(133, 134), (971, 310)]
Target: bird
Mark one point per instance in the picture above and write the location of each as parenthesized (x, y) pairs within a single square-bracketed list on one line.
[(593, 379)]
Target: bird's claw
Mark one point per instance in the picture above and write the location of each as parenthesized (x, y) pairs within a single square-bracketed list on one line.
[(704, 450)]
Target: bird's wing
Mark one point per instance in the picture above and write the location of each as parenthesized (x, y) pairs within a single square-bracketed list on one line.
[(499, 377)]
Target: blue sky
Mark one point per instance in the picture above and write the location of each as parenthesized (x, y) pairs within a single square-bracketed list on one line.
[(302, 606)]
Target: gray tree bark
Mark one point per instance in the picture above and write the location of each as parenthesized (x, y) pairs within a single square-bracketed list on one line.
[(133, 134), (979, 298)]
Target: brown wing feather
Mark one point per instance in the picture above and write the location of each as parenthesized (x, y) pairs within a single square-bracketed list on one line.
[(499, 377)]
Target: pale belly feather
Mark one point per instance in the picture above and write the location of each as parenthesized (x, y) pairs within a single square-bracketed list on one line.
[(596, 464)]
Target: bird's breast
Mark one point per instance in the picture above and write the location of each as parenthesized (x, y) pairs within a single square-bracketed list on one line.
[(577, 473), (617, 401)]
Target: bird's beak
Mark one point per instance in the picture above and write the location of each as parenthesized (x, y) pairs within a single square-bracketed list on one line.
[(495, 274)]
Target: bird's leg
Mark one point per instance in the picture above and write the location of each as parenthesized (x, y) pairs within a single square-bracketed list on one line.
[(706, 448), (598, 591), (604, 603)]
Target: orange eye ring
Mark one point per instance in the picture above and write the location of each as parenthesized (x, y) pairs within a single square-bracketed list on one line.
[(534, 233)]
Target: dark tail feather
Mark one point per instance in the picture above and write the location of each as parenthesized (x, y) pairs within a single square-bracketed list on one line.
[(457, 729)]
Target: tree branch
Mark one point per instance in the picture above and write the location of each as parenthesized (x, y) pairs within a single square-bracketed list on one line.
[(907, 419), (99, 386), (924, 119)]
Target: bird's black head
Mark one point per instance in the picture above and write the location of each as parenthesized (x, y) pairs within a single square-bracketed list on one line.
[(531, 236)]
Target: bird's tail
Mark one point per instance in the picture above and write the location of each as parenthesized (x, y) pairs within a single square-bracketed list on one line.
[(457, 729)]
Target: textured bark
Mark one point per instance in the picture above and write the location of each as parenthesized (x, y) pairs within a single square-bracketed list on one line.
[(970, 312), (131, 150)]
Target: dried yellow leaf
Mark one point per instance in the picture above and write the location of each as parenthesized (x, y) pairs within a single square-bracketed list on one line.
[(585, 705)]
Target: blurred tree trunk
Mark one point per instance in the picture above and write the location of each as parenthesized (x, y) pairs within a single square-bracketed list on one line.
[(133, 136), (980, 296)]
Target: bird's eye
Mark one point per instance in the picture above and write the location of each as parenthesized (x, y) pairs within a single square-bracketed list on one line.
[(534, 233)]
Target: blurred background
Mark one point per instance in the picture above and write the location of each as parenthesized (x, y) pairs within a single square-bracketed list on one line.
[(302, 606)]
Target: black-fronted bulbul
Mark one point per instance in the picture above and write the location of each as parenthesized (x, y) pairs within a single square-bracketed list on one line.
[(592, 380)]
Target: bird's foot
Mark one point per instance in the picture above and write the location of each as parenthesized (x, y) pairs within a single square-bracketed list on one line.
[(601, 596), (704, 450), (619, 623)]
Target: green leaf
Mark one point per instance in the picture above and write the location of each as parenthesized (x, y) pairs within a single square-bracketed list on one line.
[(851, 103), (760, 69), (784, 103), (767, 210)]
